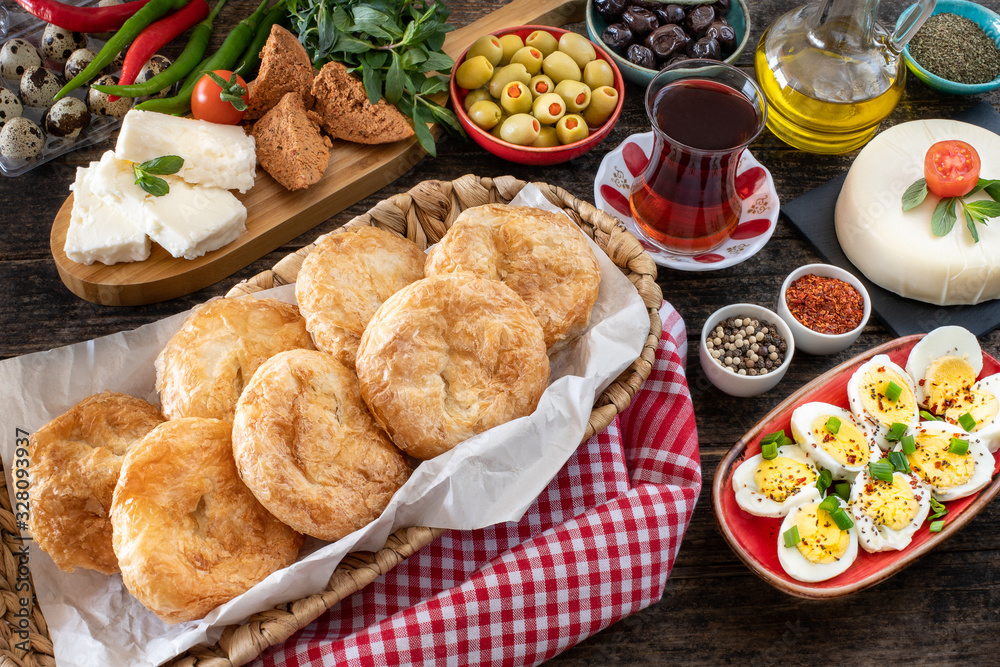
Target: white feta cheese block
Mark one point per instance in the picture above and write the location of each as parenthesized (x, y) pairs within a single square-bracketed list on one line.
[(97, 231), (221, 156), (188, 221)]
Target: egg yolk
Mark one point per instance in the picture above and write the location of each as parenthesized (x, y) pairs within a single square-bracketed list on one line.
[(876, 403), (848, 445), (890, 504), (782, 477), (820, 540), (982, 405), (946, 379), (936, 465)]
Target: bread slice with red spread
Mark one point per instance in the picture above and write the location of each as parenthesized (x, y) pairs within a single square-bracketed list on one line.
[(290, 146), (346, 113)]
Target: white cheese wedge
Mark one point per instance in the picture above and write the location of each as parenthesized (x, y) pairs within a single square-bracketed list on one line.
[(898, 250), (187, 222), (221, 156), (97, 231)]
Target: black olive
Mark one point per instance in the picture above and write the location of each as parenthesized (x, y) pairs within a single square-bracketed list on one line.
[(724, 34), (610, 10), (641, 56), (618, 37), (698, 20), (673, 14), (706, 47), (667, 40), (676, 58), (640, 21), (651, 5), (722, 7)]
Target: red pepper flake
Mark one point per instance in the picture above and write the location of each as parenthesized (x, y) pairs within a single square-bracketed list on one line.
[(825, 305)]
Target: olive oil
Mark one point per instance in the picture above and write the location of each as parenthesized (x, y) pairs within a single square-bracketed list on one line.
[(835, 120)]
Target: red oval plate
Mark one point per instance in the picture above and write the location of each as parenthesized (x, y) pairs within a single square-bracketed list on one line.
[(755, 539)]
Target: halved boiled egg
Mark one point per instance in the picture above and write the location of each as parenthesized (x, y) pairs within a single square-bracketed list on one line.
[(771, 487), (944, 364), (982, 403), (812, 546), (952, 462), (880, 394), (832, 439), (887, 514)]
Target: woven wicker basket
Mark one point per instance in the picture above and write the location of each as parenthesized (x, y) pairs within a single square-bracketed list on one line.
[(423, 215)]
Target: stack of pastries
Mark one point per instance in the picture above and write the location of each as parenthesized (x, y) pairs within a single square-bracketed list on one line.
[(278, 421)]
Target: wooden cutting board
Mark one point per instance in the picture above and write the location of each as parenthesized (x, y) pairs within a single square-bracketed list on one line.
[(275, 215)]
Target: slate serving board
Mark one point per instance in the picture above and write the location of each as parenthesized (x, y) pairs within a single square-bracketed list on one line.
[(812, 215)]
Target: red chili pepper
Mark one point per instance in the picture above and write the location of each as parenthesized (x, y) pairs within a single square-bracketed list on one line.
[(155, 35), (82, 19)]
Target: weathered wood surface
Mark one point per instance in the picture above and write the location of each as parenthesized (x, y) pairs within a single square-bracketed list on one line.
[(944, 609)]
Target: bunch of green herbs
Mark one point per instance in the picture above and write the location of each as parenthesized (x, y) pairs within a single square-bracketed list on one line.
[(945, 215), (393, 45)]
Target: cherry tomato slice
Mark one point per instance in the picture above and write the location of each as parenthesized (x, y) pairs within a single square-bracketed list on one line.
[(207, 104), (951, 168)]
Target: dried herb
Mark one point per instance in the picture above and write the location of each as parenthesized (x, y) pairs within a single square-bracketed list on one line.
[(393, 45), (945, 213), (956, 48)]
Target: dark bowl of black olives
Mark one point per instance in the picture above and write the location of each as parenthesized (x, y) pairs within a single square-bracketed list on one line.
[(644, 36)]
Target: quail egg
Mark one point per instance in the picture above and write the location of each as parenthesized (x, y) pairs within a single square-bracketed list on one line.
[(59, 43), (955, 464), (881, 394), (812, 545), (77, 62), (66, 118), (154, 66), (21, 139), (888, 513), (16, 56), (10, 106), (771, 487), (39, 86), (832, 439), (98, 102)]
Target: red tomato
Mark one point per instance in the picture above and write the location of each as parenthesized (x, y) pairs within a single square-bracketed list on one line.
[(207, 103), (951, 168)]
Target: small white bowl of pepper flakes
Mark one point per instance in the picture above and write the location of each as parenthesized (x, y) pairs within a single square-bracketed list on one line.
[(825, 306), (745, 349)]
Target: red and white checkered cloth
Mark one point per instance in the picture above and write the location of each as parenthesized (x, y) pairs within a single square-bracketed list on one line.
[(596, 546)]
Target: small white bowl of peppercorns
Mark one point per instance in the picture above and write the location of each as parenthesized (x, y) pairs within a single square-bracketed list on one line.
[(825, 306), (745, 349)]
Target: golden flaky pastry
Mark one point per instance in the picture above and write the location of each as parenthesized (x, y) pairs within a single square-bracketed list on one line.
[(449, 357), (346, 278), (308, 448), (542, 256), (74, 465), (204, 366), (188, 533)]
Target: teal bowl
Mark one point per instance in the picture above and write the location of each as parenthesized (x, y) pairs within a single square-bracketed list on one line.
[(738, 17), (981, 16)]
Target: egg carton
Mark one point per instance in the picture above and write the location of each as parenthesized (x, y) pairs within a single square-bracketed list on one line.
[(17, 23)]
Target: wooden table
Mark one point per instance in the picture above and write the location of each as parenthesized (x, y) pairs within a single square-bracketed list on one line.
[(945, 608)]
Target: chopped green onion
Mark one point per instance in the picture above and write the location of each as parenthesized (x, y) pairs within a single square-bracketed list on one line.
[(909, 444), (840, 518), (791, 537), (824, 481), (786, 441), (939, 509), (967, 421), (833, 425), (829, 504), (881, 470), (936, 526), (843, 489), (899, 462), (929, 417), (896, 431), (773, 437), (769, 451), (893, 391), (958, 446)]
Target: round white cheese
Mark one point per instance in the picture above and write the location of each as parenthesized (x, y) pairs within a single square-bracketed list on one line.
[(898, 250)]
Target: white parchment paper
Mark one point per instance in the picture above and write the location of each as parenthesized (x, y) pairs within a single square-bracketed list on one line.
[(491, 478)]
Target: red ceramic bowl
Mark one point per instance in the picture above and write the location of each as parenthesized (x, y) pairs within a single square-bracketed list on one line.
[(529, 154)]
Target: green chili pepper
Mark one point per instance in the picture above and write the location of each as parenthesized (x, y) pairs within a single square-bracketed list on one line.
[(153, 10), (250, 60), (181, 67), (232, 48)]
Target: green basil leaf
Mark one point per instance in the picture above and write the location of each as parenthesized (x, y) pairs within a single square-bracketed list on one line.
[(424, 135), (984, 208), (394, 80), (915, 194), (437, 62), (413, 57), (444, 116), (993, 190), (433, 84), (348, 44), (154, 185), (341, 19), (379, 25), (376, 59), (372, 79), (326, 32), (162, 166), (943, 218), (971, 224)]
